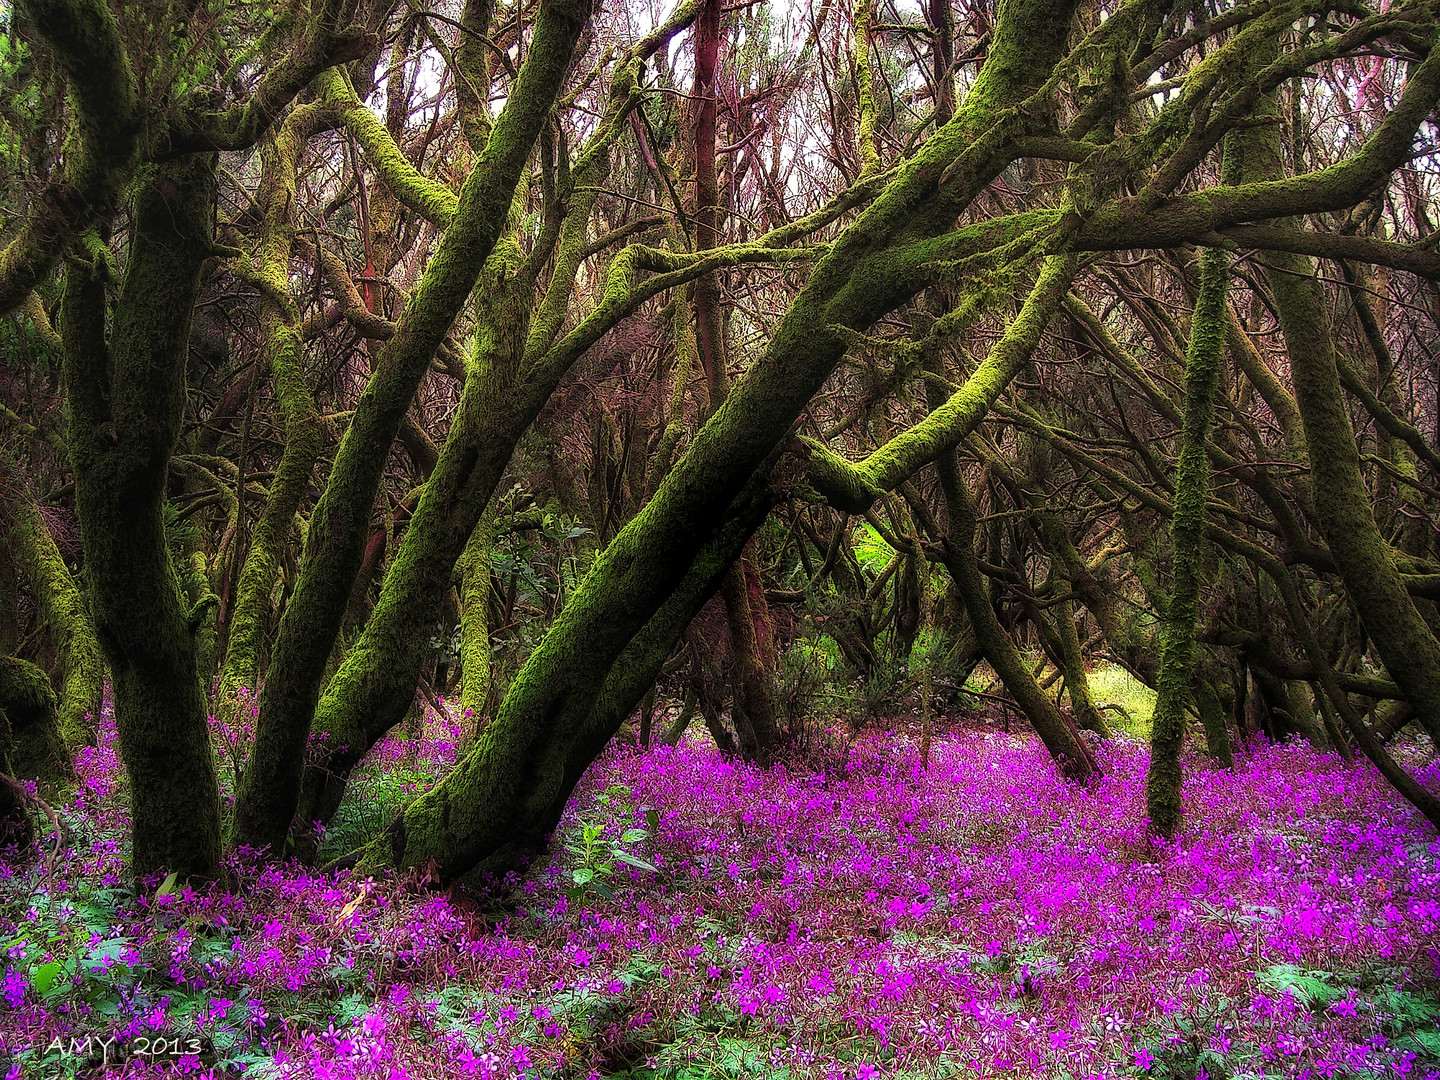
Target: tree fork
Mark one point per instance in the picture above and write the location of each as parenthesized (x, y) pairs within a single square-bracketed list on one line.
[(120, 444), (335, 541)]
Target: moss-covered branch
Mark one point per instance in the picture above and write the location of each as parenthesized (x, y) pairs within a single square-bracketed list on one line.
[(335, 541), (854, 487), (429, 198), (1409, 257), (864, 15), (323, 45), (100, 143)]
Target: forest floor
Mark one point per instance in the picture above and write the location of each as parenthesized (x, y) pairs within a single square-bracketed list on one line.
[(863, 917)]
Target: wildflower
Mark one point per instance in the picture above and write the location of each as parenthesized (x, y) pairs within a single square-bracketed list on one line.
[(15, 987)]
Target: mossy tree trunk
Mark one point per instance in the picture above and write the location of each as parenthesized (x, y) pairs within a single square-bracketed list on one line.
[(36, 751), (335, 541), (958, 552), (1192, 481), (375, 684), (249, 621), (476, 674), (81, 668), (1344, 511), (499, 799), (127, 405), (1212, 718), (515, 365)]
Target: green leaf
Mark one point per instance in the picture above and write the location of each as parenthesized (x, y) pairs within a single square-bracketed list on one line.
[(603, 889), (1308, 987), (1430, 1040), (584, 876), (631, 860), (652, 818), (633, 836), (43, 977)]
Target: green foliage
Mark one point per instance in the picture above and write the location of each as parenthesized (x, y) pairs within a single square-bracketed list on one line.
[(1313, 988), (1112, 684), (73, 960), (804, 680), (871, 552), (598, 852), (542, 570), (376, 794), (445, 644), (182, 537)]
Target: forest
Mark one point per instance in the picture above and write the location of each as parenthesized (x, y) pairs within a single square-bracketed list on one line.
[(812, 539)]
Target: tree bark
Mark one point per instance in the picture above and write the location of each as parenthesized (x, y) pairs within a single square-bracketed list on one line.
[(1192, 480), (270, 789), (127, 402)]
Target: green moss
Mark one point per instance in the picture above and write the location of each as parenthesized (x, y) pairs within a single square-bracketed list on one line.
[(475, 666), (864, 86), (510, 790), (99, 145), (431, 200), (36, 749), (1203, 359), (81, 668), (120, 446)]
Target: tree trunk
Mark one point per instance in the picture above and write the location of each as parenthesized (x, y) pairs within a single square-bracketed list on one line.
[(36, 751), (81, 668), (249, 622), (530, 773), (958, 552), (120, 446), (477, 817), (270, 789), (476, 674), (1192, 481), (1345, 515)]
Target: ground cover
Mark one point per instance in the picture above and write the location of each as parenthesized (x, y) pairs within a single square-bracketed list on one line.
[(699, 918)]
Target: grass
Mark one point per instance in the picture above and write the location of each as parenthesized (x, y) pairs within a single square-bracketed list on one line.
[(1112, 684)]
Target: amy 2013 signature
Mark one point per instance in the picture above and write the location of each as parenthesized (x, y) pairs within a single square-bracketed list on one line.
[(113, 1048)]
